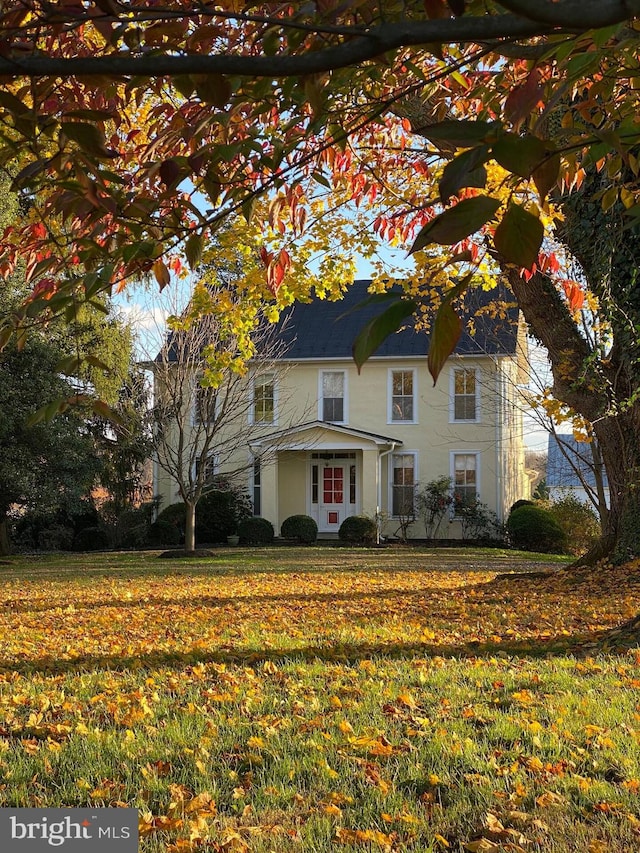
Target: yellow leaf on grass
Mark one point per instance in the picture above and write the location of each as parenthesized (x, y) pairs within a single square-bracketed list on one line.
[(483, 845), (441, 841), (548, 798), (405, 698), (364, 836), (378, 746), (493, 823)]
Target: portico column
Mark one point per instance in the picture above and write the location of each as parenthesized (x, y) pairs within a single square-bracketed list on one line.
[(369, 498)]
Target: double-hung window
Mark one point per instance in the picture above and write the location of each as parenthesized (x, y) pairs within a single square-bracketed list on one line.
[(402, 406), (333, 396), (206, 468), (464, 395), (403, 483), (465, 479), (263, 410), (256, 485), (205, 405)]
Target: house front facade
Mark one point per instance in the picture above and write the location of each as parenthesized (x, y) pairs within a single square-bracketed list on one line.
[(328, 441)]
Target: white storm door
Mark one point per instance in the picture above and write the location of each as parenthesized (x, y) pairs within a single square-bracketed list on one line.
[(334, 494)]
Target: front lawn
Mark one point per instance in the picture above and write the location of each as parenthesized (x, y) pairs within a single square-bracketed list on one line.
[(326, 699)]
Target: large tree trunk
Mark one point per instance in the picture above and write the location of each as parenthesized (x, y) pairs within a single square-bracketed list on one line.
[(190, 528), (602, 393), (618, 440), (5, 547)]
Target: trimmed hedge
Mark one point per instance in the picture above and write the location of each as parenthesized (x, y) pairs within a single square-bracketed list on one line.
[(533, 528), (302, 528), (176, 515), (255, 531), (218, 514), (164, 534), (521, 502), (358, 530), (91, 539)]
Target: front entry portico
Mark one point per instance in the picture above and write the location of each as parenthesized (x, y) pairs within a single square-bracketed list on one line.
[(323, 470)]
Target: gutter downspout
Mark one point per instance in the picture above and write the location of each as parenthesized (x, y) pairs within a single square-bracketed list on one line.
[(500, 463), (394, 444)]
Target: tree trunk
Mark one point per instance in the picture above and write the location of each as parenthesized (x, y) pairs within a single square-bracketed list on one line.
[(4, 536), (618, 440), (604, 396), (190, 528)]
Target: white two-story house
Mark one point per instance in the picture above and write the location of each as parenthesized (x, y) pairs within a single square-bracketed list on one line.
[(329, 441)]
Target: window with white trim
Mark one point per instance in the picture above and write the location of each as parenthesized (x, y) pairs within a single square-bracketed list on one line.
[(403, 483), (256, 485), (208, 465), (465, 479), (205, 405), (333, 396), (402, 387), (263, 409), (464, 394)]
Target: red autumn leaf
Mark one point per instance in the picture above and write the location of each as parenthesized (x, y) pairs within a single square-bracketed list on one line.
[(522, 100), (574, 294)]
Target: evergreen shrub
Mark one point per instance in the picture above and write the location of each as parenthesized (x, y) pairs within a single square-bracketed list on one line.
[(255, 531), (219, 512), (302, 528), (163, 534), (533, 528), (91, 539), (358, 530)]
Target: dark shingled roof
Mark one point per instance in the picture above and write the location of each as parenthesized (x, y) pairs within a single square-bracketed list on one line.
[(323, 329)]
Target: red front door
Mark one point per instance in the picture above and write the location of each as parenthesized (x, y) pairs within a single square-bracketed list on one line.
[(333, 498)]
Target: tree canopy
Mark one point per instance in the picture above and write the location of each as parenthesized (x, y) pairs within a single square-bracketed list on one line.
[(135, 129), (456, 129)]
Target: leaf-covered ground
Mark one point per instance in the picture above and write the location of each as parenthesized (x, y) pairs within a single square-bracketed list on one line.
[(325, 699)]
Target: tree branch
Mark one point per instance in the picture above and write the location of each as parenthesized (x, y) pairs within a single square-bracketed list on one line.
[(600, 13), (552, 325), (377, 41)]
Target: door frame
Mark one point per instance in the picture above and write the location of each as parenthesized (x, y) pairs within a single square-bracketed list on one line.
[(317, 510)]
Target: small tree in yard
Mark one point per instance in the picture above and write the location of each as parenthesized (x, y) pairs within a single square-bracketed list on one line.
[(209, 401), (433, 503)]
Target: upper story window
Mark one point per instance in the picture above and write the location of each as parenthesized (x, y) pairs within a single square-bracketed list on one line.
[(333, 388), (263, 409), (205, 405), (402, 402), (403, 483), (464, 395)]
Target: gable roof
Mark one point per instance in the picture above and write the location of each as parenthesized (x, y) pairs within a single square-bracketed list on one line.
[(561, 472), (324, 329), (296, 432)]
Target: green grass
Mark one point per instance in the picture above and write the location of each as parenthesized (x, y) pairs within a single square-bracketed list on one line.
[(319, 699)]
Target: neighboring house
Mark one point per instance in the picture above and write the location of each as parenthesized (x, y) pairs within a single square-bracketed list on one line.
[(336, 442), (571, 469)]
